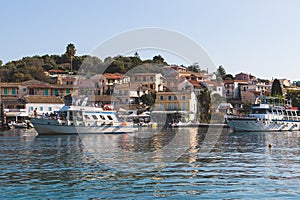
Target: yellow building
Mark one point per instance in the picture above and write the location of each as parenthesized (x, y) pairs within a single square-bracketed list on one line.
[(184, 101)]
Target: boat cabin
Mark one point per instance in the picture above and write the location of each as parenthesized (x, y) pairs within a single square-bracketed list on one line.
[(73, 115)]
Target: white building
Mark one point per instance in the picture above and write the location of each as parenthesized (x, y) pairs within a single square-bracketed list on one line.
[(43, 104)]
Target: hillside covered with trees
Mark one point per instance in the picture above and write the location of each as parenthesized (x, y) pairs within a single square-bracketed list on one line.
[(34, 67)]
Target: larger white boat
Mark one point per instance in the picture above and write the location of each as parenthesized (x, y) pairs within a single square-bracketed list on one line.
[(81, 120), (267, 114)]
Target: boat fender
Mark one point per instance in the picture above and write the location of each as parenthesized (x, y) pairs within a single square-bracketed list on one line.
[(124, 123)]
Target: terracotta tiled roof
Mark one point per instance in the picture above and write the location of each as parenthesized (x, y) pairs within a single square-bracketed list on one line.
[(12, 101), (113, 76), (195, 83), (6, 84), (44, 99), (36, 84), (102, 98)]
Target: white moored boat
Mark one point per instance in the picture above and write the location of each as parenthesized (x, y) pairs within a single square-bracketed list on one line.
[(81, 120), (267, 114)]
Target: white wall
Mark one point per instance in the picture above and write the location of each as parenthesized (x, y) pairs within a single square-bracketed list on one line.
[(42, 108)]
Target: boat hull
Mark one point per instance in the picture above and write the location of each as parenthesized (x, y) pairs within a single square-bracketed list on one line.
[(47, 127), (255, 125)]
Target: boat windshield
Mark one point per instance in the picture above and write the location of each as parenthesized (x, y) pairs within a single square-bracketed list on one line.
[(259, 111)]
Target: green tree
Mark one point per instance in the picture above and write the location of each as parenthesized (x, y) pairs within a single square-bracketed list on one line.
[(1, 63), (159, 60), (194, 68), (204, 99), (221, 71), (294, 96), (276, 89), (148, 99), (228, 77)]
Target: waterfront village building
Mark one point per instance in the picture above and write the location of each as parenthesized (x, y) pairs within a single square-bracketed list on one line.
[(176, 68), (16, 109), (245, 77), (153, 81), (43, 104), (215, 87), (34, 88), (131, 88), (13, 95), (249, 92), (181, 101), (200, 77), (109, 81), (190, 85)]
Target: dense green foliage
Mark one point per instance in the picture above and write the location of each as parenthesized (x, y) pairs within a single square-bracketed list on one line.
[(148, 99), (221, 72), (276, 89), (294, 96), (194, 68), (34, 67), (204, 99)]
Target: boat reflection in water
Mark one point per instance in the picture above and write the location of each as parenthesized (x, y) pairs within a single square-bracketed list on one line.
[(150, 146)]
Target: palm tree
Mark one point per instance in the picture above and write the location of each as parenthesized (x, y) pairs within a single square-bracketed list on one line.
[(70, 52)]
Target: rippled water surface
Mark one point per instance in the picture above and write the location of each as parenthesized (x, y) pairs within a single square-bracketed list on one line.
[(178, 164)]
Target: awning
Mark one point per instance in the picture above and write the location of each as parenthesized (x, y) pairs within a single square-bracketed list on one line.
[(16, 114)]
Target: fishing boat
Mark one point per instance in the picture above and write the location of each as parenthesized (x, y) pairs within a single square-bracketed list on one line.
[(81, 120), (267, 114)]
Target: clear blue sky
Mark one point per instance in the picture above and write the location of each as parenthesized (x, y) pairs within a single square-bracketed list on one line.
[(261, 37)]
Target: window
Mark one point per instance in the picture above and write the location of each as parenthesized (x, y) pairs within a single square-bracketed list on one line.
[(67, 91), (50, 109), (102, 117), (183, 97), (41, 108), (175, 106), (55, 92), (46, 92), (175, 98), (24, 89), (95, 117), (183, 107), (161, 107), (144, 78), (169, 97), (169, 106), (109, 117), (13, 91), (161, 97), (5, 91), (30, 108)]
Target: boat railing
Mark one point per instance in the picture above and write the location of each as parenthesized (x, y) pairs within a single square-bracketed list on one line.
[(293, 118), (236, 116)]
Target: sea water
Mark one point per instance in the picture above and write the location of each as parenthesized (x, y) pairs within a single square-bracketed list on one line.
[(183, 163)]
